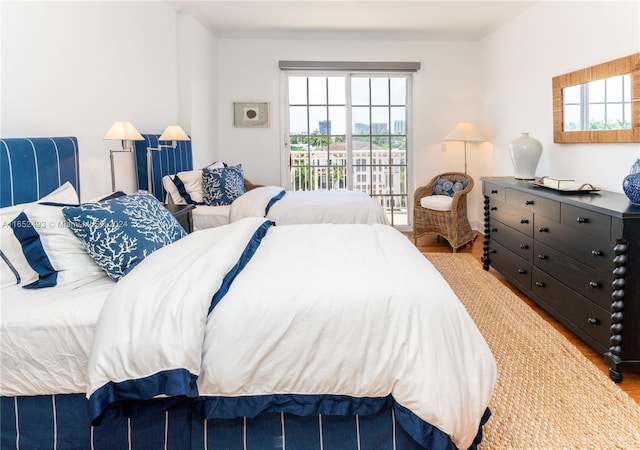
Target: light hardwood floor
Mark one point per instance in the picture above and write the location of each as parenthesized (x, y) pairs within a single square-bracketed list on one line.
[(631, 380)]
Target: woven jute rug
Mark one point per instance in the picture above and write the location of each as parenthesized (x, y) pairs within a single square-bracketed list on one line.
[(548, 395)]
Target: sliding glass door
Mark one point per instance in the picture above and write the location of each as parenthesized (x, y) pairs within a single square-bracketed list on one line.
[(350, 131)]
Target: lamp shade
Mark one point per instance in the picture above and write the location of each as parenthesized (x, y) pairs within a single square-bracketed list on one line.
[(174, 133), (123, 131), (465, 131)]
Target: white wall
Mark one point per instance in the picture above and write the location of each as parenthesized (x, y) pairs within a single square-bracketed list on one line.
[(197, 88), (446, 89), (519, 60), (73, 68), (502, 83)]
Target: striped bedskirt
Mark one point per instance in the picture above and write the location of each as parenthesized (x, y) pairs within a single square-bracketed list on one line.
[(61, 422)]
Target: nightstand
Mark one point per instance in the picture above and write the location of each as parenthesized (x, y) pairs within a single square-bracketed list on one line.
[(182, 213)]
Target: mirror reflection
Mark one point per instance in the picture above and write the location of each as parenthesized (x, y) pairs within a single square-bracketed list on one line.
[(598, 105)]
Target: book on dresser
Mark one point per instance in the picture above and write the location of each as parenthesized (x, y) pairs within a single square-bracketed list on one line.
[(577, 255)]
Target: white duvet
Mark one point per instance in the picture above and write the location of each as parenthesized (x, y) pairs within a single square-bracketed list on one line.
[(45, 337), (303, 207), (322, 315)]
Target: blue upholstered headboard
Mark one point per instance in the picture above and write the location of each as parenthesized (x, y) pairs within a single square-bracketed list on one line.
[(167, 161), (30, 168)]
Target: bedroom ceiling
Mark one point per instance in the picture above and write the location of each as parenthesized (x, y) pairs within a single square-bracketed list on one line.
[(379, 19)]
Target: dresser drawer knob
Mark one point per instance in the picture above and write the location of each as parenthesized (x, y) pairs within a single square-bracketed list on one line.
[(522, 271), (529, 202), (596, 252), (494, 191), (543, 230), (523, 221), (594, 284), (492, 251), (494, 230), (494, 208), (593, 321), (524, 246), (539, 284), (541, 257), (582, 220)]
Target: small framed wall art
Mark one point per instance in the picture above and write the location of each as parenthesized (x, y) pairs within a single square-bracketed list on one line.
[(251, 114)]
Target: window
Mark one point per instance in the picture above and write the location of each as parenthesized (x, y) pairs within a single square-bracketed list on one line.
[(603, 104), (350, 131)]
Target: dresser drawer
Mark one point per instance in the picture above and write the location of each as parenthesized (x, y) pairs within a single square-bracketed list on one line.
[(519, 243), (494, 191), (573, 272), (534, 204), (586, 221), (594, 284), (516, 218), (587, 248), (592, 320), (510, 264)]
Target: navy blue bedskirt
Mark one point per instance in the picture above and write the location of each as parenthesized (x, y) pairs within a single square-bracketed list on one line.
[(62, 422)]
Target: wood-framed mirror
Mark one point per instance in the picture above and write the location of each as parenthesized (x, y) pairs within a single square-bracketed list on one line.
[(599, 103)]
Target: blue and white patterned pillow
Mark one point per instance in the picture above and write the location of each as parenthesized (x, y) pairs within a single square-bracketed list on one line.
[(119, 233), (444, 186), (222, 186)]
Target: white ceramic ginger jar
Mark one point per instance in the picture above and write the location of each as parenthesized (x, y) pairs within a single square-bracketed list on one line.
[(525, 153)]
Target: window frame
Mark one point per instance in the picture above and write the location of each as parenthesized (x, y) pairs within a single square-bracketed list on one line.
[(285, 170)]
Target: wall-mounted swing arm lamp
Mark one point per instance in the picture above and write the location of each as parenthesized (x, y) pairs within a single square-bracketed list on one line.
[(465, 132), (121, 131), (173, 133)]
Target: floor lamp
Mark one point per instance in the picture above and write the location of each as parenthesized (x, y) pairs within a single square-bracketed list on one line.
[(121, 131), (173, 133), (465, 132)]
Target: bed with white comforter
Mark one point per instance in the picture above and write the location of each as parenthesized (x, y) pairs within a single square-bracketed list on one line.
[(300, 207), (306, 319), (175, 181), (293, 207), (246, 336)]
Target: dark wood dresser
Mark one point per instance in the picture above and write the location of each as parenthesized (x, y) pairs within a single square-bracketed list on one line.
[(577, 255)]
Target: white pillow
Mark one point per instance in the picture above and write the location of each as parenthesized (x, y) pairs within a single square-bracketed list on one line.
[(437, 202), (15, 268), (50, 246), (192, 182)]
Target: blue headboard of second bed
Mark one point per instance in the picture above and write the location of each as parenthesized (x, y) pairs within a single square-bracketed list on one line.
[(33, 167), (166, 161)]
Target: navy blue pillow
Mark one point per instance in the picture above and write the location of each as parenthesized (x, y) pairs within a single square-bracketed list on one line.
[(119, 233), (444, 186), (222, 186)]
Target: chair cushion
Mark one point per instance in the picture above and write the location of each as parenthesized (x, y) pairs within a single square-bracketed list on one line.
[(445, 186), (437, 202)]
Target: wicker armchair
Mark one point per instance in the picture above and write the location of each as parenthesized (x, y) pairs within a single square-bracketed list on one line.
[(453, 225)]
